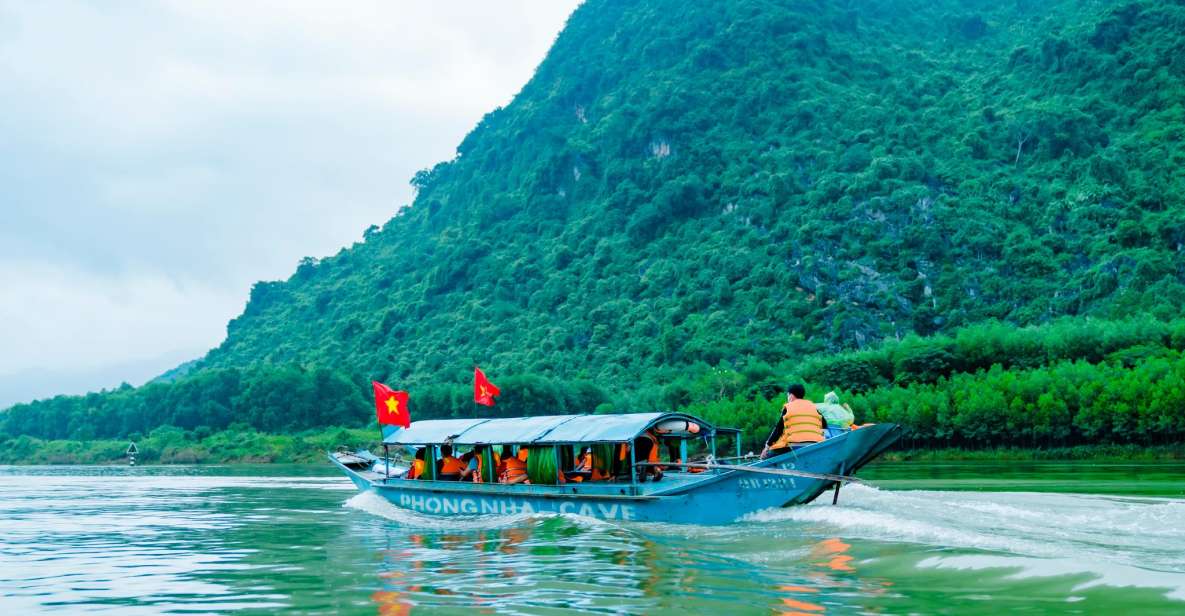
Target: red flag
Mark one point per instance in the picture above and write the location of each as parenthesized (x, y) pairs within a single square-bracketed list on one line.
[(483, 390), (391, 406)]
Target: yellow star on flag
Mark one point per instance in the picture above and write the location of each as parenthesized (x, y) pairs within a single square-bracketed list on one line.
[(393, 406)]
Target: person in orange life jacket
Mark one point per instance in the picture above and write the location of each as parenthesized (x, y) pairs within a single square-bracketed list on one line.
[(646, 449), (584, 467), (417, 467), (800, 424), (516, 468), (597, 473), (448, 468), (473, 464), (500, 466)]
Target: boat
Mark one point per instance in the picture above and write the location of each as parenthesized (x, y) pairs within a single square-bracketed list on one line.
[(711, 492)]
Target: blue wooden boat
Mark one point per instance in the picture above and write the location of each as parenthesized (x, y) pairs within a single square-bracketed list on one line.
[(714, 495)]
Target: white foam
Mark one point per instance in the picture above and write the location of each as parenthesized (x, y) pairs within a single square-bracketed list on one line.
[(1120, 541), (1103, 574)]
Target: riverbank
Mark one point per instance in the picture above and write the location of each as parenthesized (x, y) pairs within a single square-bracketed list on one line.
[(247, 446), (175, 446), (1100, 453)]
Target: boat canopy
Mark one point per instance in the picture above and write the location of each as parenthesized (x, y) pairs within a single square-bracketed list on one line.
[(542, 430)]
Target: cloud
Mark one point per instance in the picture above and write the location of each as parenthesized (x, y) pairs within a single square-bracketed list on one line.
[(159, 157), (63, 317)]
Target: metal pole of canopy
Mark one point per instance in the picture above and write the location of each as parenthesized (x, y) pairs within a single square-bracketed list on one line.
[(683, 450), (634, 462), (387, 458), (737, 436)]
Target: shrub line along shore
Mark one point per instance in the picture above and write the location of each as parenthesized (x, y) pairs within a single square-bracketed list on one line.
[(245, 446)]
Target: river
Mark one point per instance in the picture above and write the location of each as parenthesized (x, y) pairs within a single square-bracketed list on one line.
[(980, 538)]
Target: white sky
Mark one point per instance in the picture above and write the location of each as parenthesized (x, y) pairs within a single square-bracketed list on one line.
[(157, 158)]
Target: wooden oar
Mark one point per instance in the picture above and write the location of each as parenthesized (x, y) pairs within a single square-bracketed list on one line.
[(767, 471)]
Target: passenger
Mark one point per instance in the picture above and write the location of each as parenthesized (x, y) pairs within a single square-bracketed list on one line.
[(646, 448), (500, 466), (472, 466), (800, 424), (448, 468), (597, 473), (417, 467), (584, 467), (838, 416), (516, 469), (584, 464)]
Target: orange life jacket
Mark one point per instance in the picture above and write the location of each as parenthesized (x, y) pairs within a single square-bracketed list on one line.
[(417, 469), (801, 423), (653, 456), (584, 464), (515, 468), (479, 477), (451, 466)]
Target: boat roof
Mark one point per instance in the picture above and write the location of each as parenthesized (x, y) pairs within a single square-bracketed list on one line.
[(544, 429)]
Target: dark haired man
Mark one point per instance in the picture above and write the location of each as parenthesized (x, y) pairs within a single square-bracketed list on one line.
[(800, 424)]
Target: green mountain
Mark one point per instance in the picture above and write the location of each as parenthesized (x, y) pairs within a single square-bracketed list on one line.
[(685, 187), (687, 182)]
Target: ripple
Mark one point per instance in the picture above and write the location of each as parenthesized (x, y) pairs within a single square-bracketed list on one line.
[(123, 541)]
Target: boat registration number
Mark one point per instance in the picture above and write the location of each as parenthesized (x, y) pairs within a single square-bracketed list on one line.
[(765, 483)]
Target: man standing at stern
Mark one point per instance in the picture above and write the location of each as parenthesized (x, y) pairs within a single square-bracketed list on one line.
[(800, 424)]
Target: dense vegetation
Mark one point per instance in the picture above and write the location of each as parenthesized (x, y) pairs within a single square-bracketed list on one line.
[(691, 182), (691, 203), (1066, 383)]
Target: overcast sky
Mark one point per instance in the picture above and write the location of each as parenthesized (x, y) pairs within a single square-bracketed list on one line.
[(157, 158)]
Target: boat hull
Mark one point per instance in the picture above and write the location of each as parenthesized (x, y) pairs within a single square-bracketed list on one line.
[(710, 498)]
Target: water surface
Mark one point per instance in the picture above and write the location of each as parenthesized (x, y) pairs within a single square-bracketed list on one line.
[(932, 538)]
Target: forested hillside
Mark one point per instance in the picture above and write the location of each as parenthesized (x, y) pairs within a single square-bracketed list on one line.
[(688, 189), (686, 182)]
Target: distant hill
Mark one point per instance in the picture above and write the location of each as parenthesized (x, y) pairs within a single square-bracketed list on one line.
[(176, 372), (734, 185)]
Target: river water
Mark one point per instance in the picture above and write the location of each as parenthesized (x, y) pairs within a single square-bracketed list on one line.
[(945, 538)]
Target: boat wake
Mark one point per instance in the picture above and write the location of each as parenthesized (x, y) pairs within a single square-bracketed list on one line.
[(1117, 541)]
